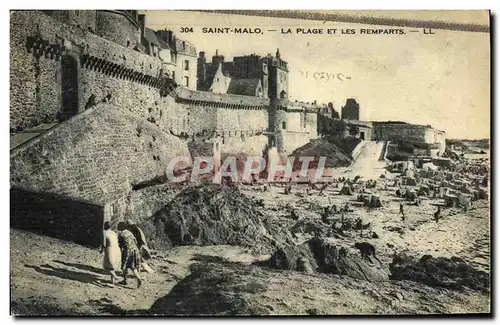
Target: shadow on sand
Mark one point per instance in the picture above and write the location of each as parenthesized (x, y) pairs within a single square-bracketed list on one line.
[(83, 267), (63, 273), (215, 286)]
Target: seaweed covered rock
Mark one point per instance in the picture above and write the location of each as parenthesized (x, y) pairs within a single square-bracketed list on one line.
[(311, 226), (325, 257), (452, 273), (347, 190), (211, 214)]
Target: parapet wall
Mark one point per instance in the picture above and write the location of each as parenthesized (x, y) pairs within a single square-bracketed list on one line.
[(410, 133), (205, 98), (295, 106), (403, 132)]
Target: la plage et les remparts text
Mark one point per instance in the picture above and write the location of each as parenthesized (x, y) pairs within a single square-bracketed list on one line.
[(302, 31)]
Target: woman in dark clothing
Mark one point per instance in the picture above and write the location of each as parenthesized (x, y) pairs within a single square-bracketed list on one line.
[(131, 257), (140, 238)]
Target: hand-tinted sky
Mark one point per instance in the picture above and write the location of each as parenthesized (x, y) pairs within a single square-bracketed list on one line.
[(441, 79)]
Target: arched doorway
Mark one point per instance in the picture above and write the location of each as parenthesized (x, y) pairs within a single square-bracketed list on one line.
[(69, 87)]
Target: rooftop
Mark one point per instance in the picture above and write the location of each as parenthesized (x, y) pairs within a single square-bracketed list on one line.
[(247, 87)]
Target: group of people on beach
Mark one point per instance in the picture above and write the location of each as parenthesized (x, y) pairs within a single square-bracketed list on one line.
[(124, 250)]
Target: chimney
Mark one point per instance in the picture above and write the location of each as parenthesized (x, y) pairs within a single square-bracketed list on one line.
[(171, 37), (201, 58), (168, 37), (142, 23)]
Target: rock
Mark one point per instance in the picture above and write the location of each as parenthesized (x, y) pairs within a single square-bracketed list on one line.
[(410, 195), (397, 295), (311, 226), (284, 304), (347, 190), (271, 308), (313, 312), (303, 265), (410, 181), (457, 259), (374, 235), (372, 293), (324, 257), (439, 272), (395, 229), (209, 214), (372, 201)]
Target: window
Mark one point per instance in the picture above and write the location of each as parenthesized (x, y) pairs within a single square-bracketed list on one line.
[(186, 65), (186, 81), (283, 125)]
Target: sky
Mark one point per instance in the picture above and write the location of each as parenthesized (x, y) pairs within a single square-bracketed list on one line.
[(441, 79)]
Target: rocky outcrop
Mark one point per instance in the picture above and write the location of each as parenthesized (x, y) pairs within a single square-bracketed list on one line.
[(214, 215), (311, 226), (452, 273), (335, 156), (325, 257)]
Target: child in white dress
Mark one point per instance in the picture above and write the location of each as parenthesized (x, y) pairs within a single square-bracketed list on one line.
[(112, 252)]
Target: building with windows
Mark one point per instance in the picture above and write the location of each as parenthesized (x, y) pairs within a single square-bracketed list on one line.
[(179, 56), (250, 75)]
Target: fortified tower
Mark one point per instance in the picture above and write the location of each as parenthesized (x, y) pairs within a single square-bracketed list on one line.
[(351, 110), (278, 95), (120, 26), (278, 75), (85, 19)]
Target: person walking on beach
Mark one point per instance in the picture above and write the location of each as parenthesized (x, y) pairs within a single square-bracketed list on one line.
[(401, 211), (140, 238), (112, 254), (131, 256), (437, 214)]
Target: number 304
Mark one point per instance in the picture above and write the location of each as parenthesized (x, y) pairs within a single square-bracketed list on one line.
[(186, 29)]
